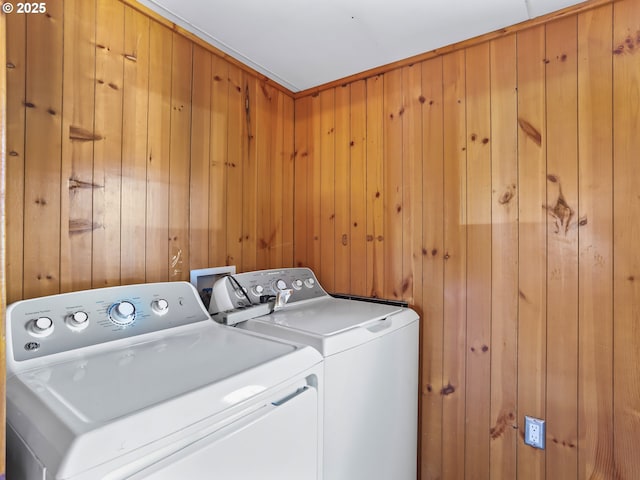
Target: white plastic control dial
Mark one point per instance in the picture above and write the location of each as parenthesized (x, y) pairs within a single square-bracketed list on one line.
[(309, 282), (42, 326), (281, 284), (123, 313), (78, 320), (297, 284), (160, 306), (257, 290), (43, 323)]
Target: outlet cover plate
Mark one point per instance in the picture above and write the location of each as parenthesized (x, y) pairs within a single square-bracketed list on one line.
[(534, 432)]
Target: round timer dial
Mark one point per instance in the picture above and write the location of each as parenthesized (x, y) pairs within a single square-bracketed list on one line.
[(122, 313)]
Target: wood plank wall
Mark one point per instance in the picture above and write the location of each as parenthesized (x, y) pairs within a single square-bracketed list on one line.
[(3, 293), (136, 155), (495, 188)]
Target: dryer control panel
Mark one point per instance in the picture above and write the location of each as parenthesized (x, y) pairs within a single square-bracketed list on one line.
[(285, 285), (51, 325)]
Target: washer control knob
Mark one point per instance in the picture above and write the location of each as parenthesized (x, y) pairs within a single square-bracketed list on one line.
[(257, 290), (160, 306), (122, 313), (309, 282), (78, 320), (281, 284), (42, 326), (297, 284)]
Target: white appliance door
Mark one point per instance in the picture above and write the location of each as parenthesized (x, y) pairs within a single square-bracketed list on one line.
[(278, 441)]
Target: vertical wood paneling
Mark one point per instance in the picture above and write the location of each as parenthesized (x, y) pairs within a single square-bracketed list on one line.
[(288, 180), (392, 231), (301, 197), (43, 99), (432, 326), (532, 243), (504, 258), (107, 153), (412, 184), (478, 355), (562, 249), (342, 169), (327, 190), (275, 132), (595, 237), (179, 157), (265, 163), (158, 154), (236, 149), (219, 163), (358, 188), (15, 162), (314, 182), (249, 174), (78, 138), (200, 151), (626, 256), (455, 256), (135, 104), (3, 196), (375, 186)]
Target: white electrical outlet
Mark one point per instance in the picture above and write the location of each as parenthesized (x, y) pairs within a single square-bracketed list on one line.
[(534, 432)]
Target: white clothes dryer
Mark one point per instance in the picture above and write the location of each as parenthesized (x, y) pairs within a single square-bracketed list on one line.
[(370, 352), (137, 382)]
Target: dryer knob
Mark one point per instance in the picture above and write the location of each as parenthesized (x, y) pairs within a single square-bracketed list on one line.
[(160, 306), (41, 327), (79, 317), (309, 282), (123, 313), (78, 321), (257, 290), (42, 324), (281, 284)]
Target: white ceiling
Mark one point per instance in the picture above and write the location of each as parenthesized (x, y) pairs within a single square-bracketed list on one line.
[(306, 43)]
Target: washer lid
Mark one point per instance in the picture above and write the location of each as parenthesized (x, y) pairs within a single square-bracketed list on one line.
[(85, 411), (332, 325)]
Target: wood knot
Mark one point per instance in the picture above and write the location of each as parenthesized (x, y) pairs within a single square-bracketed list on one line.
[(505, 197), (447, 389), (447, 256), (421, 99)]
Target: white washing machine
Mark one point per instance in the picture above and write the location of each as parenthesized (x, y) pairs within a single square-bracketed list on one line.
[(370, 370), (137, 382)]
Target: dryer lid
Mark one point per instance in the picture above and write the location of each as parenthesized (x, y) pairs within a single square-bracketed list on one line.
[(328, 316), (332, 325)]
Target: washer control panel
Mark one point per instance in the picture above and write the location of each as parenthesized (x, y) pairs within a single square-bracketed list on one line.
[(297, 284), (49, 325)]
